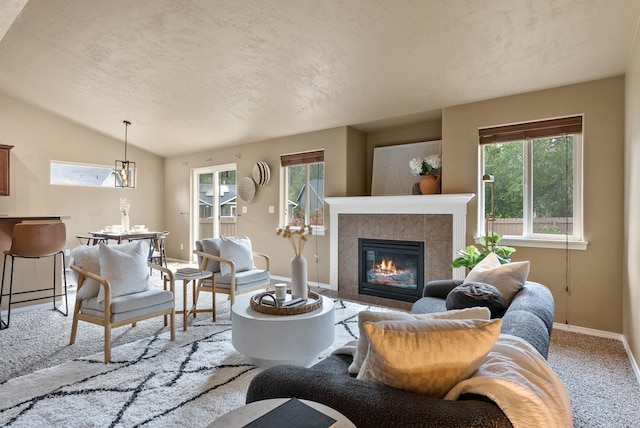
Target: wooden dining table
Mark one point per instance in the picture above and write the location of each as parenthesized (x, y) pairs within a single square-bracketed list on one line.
[(102, 236)]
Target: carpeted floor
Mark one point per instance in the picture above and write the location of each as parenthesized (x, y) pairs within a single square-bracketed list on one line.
[(151, 382), (599, 378), (596, 371)]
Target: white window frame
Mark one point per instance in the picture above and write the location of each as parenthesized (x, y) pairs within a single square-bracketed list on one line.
[(110, 184), (284, 200), (528, 239)]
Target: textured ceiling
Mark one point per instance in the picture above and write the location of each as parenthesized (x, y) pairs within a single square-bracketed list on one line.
[(193, 75)]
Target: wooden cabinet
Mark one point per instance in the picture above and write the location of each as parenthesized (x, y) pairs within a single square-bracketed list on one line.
[(4, 169)]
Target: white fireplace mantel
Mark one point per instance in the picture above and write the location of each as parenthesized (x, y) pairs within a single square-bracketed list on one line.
[(454, 204)]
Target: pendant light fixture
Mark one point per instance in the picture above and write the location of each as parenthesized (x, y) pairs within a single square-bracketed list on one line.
[(125, 170)]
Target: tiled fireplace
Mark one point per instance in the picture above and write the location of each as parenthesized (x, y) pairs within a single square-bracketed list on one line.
[(391, 268), (437, 221)]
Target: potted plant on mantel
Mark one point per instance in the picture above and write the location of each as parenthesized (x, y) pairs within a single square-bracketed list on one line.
[(472, 255), (429, 169)]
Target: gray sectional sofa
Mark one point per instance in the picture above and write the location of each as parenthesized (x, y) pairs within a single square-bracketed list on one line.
[(370, 404)]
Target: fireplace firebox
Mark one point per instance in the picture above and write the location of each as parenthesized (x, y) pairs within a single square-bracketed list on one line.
[(391, 269)]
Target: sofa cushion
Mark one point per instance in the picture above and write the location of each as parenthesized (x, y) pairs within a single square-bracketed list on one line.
[(508, 278), (440, 287), (125, 267), (473, 294), (427, 356), (375, 316), (239, 251)]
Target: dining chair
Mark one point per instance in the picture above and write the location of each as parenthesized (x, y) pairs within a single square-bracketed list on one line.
[(232, 261), (157, 251), (35, 241)]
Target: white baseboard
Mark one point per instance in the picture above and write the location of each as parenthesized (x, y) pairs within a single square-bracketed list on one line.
[(606, 335)]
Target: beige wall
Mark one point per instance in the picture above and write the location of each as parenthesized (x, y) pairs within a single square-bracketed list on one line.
[(348, 158), (631, 289), (162, 197), (344, 165), (39, 137), (594, 275)]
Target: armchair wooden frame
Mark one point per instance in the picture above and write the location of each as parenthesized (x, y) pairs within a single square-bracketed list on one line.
[(106, 320), (231, 291)]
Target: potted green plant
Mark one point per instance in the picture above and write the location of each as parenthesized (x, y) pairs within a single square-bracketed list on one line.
[(472, 255)]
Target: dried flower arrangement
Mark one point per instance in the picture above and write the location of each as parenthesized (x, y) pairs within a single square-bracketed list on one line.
[(298, 237)]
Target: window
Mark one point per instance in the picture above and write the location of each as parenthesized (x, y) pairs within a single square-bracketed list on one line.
[(78, 174), (303, 189), (537, 173)]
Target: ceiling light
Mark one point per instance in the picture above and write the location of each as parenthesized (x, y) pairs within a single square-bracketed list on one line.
[(125, 170)]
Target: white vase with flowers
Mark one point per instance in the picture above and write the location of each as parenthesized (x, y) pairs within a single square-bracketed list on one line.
[(298, 238)]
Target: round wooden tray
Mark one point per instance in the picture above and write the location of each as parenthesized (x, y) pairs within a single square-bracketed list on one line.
[(313, 302)]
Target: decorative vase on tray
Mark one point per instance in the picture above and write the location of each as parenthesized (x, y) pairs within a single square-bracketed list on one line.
[(299, 286), (298, 239)]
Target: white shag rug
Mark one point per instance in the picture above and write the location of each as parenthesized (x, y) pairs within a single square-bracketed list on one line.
[(152, 382)]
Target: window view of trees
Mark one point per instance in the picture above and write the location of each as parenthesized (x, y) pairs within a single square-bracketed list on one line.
[(305, 194), (534, 185)]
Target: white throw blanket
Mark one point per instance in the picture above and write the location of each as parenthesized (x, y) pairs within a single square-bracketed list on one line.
[(516, 377)]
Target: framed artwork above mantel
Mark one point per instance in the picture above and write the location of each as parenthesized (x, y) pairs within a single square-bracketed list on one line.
[(4, 169), (391, 174)]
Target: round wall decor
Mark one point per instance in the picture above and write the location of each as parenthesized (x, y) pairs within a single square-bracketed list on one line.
[(261, 173), (246, 189)]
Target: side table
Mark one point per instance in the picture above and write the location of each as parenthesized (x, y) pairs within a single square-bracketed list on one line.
[(252, 411), (192, 310)]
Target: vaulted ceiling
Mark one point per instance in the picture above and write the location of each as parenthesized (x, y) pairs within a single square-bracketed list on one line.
[(197, 74)]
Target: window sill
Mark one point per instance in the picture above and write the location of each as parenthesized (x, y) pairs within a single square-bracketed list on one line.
[(541, 243)]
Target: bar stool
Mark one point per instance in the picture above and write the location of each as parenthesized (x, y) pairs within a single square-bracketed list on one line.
[(34, 241)]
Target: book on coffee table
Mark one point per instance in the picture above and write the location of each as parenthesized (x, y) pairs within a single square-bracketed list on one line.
[(289, 302), (293, 414)]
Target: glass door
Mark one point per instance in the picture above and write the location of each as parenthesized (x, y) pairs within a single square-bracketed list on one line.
[(214, 202)]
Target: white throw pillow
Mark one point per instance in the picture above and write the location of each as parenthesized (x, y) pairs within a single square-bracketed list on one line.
[(427, 356), (125, 267), (87, 258), (372, 316), (239, 251), (508, 278)]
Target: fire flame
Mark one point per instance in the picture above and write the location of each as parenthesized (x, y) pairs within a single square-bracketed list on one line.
[(387, 266)]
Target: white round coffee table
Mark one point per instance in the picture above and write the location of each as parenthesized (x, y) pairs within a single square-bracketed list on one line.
[(270, 340)]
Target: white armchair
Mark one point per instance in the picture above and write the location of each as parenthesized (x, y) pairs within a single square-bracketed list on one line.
[(114, 289), (232, 262)]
